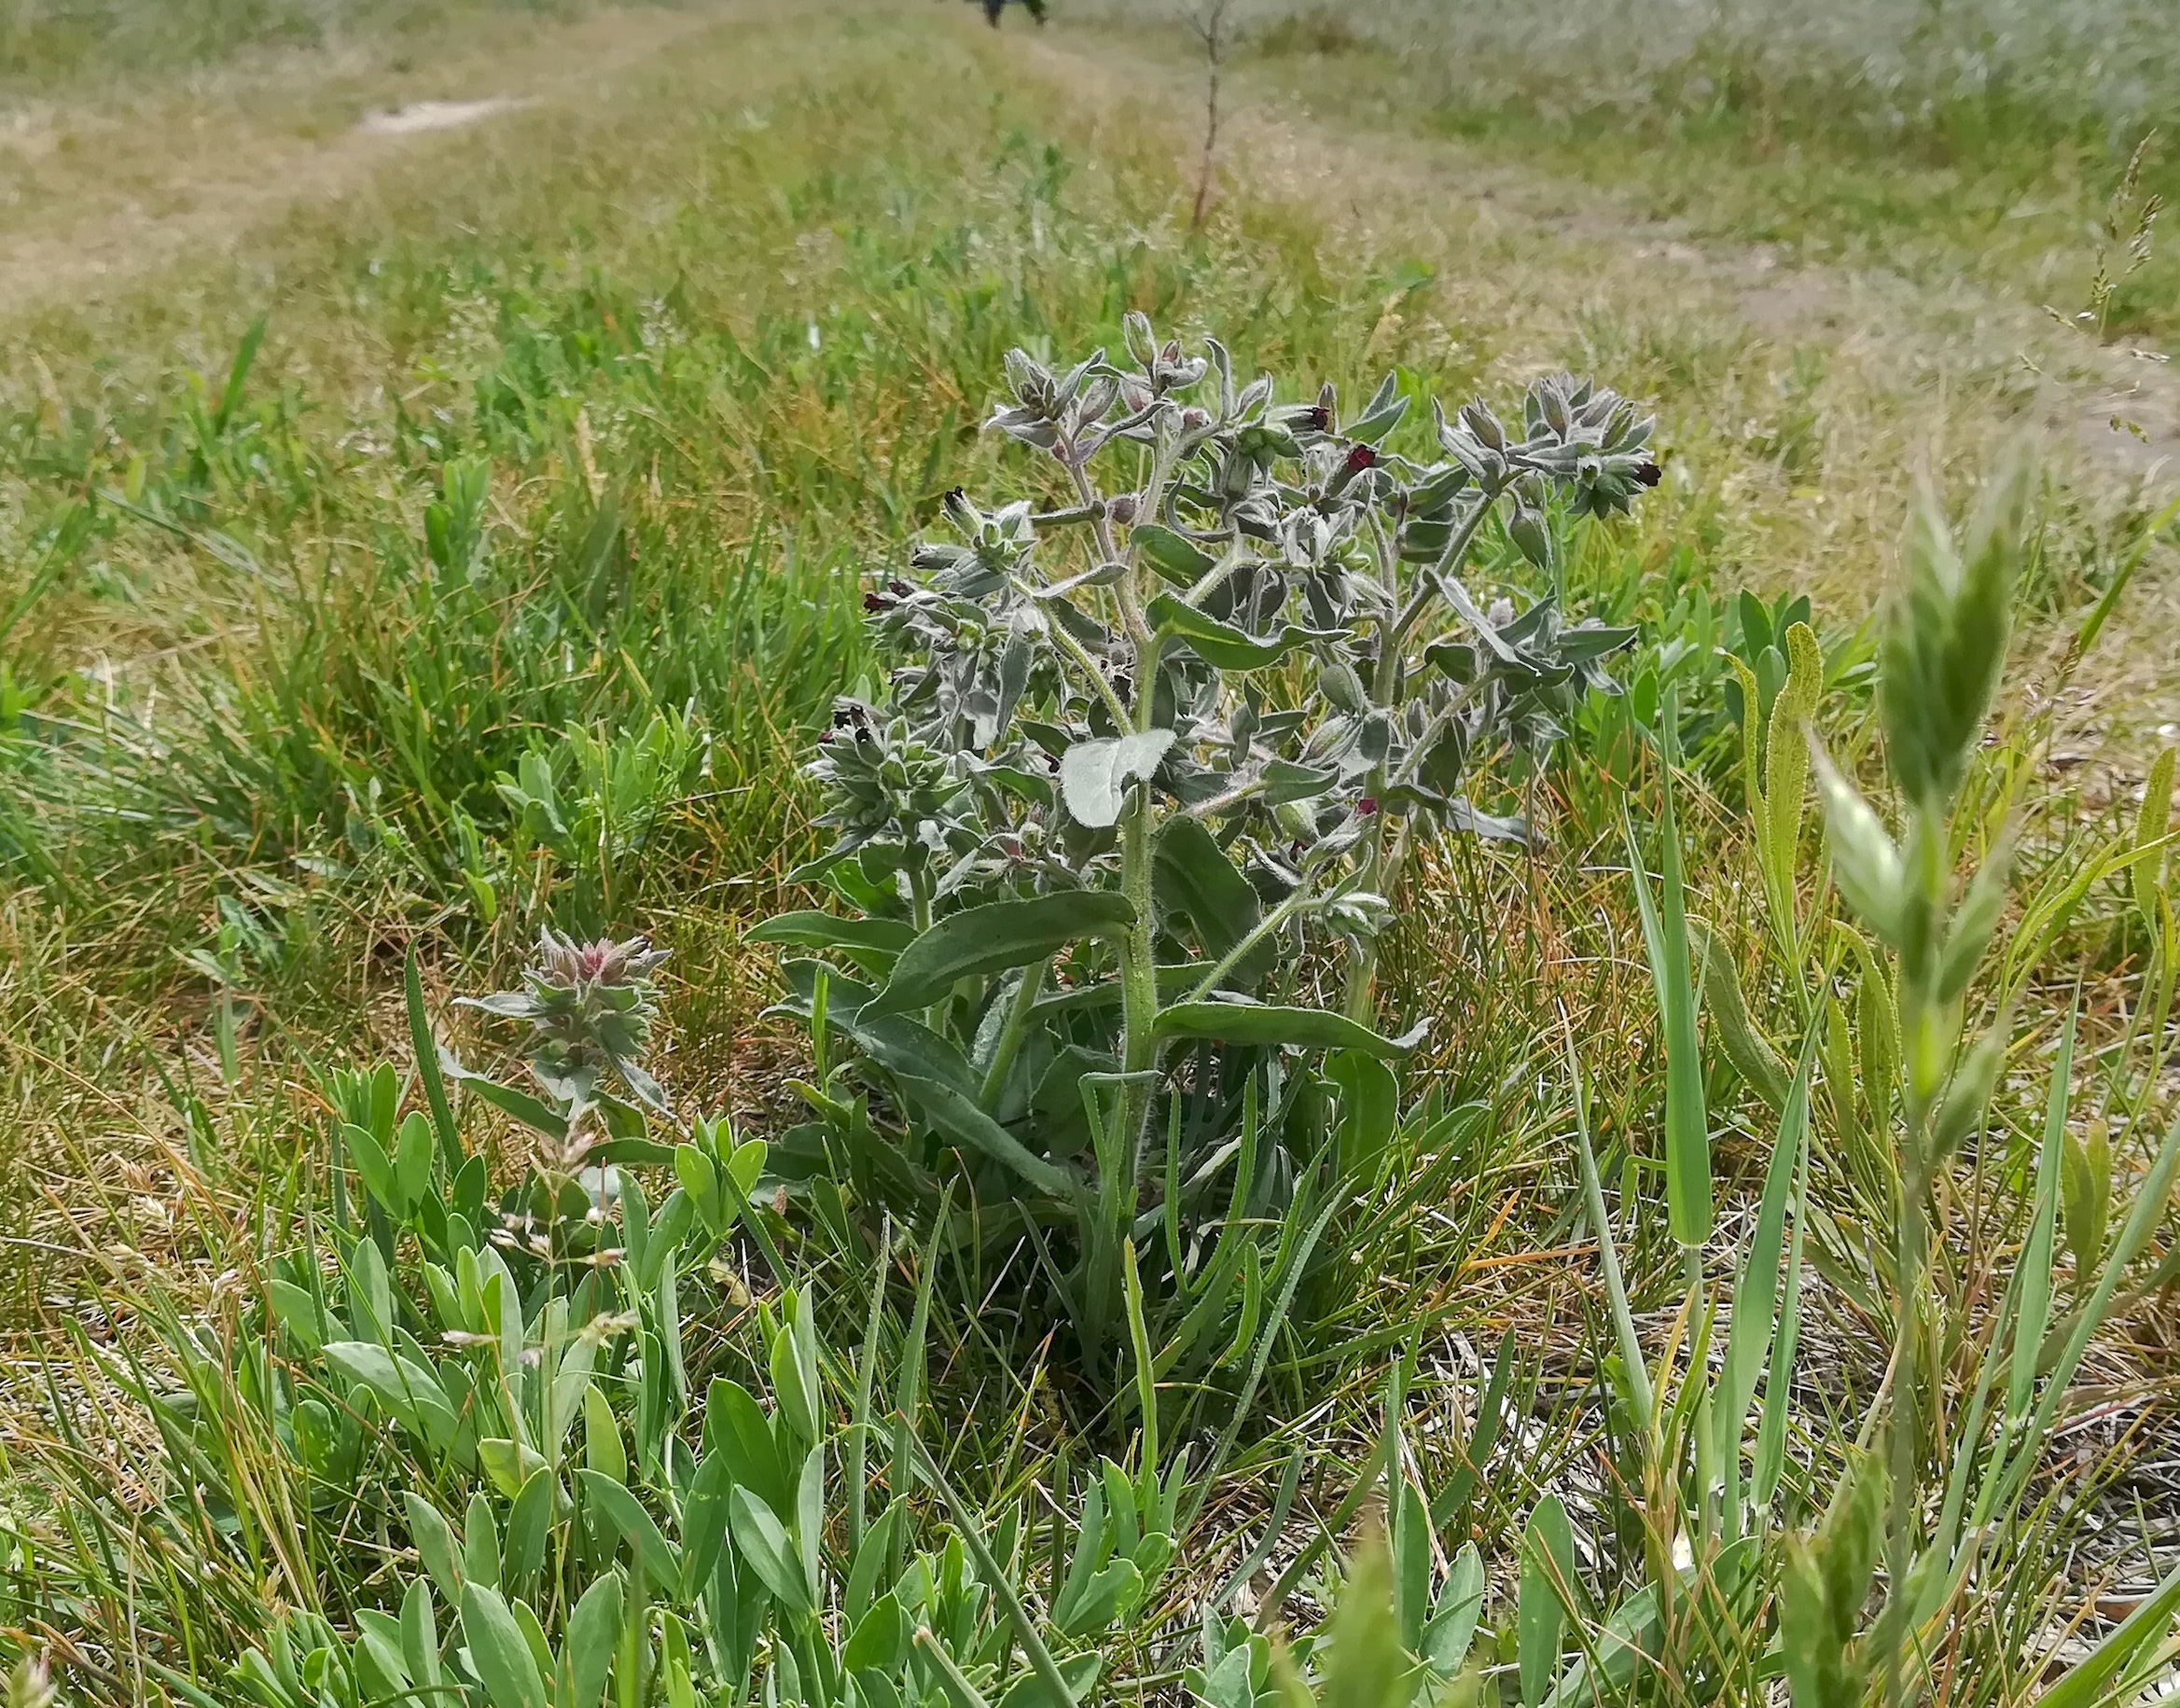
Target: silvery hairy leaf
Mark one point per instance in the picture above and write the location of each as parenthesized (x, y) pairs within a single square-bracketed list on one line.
[(1094, 775)]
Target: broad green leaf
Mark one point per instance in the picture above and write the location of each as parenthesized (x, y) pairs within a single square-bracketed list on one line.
[(959, 1119), (1369, 1110), (1760, 1066), (1625, 1640), (1225, 645), (412, 1160), (1540, 1614), (1285, 780), (1452, 1631), (793, 1367), (762, 1540), (2084, 1187), (529, 1525), (879, 1642), (997, 938), (1180, 561), (420, 1635), (660, 1561), (1110, 1595), (737, 1429), (1411, 1547), (1094, 775), (1079, 1672), (499, 1651), (508, 1464), (372, 1166), (434, 1546), (2150, 825), (297, 1312), (481, 1544), (407, 1390), (703, 1524), (1246, 1022), (629, 1153), (587, 1654), (518, 1106), (1192, 875), (602, 1451), (1778, 813)]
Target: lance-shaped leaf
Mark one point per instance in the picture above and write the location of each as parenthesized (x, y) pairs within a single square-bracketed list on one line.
[(1249, 1023), (762, 1540), (1547, 1584), (586, 1655), (997, 938), (660, 1561), (1225, 646), (1094, 775), (1752, 1054), (1688, 1131), (872, 944), (962, 1122), (499, 1652)]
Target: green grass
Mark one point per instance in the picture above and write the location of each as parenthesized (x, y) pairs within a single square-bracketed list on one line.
[(555, 465), (1987, 139)]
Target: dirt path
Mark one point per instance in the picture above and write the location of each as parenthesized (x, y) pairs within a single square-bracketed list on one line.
[(2120, 409), (100, 194)]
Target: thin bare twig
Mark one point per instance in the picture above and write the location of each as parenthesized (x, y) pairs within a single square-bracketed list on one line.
[(1209, 23)]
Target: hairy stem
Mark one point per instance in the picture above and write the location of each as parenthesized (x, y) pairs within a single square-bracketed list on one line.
[(1139, 993)]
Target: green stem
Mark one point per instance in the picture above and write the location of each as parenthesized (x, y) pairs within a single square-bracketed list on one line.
[(1010, 1036), (1426, 588), (1263, 928), (1905, 1446), (1139, 994)]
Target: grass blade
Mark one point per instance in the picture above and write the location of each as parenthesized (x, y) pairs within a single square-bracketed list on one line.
[(1665, 939)]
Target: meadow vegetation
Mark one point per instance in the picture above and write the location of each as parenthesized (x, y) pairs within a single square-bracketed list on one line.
[(720, 858)]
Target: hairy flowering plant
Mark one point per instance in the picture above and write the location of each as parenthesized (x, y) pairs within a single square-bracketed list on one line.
[(1154, 762)]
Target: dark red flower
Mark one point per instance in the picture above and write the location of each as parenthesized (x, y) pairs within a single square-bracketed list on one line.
[(1366, 807), (1360, 458), (1649, 475)]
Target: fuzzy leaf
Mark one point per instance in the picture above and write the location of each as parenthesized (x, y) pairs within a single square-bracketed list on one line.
[(1180, 561), (1094, 775), (1246, 1022), (997, 938), (1227, 647)]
